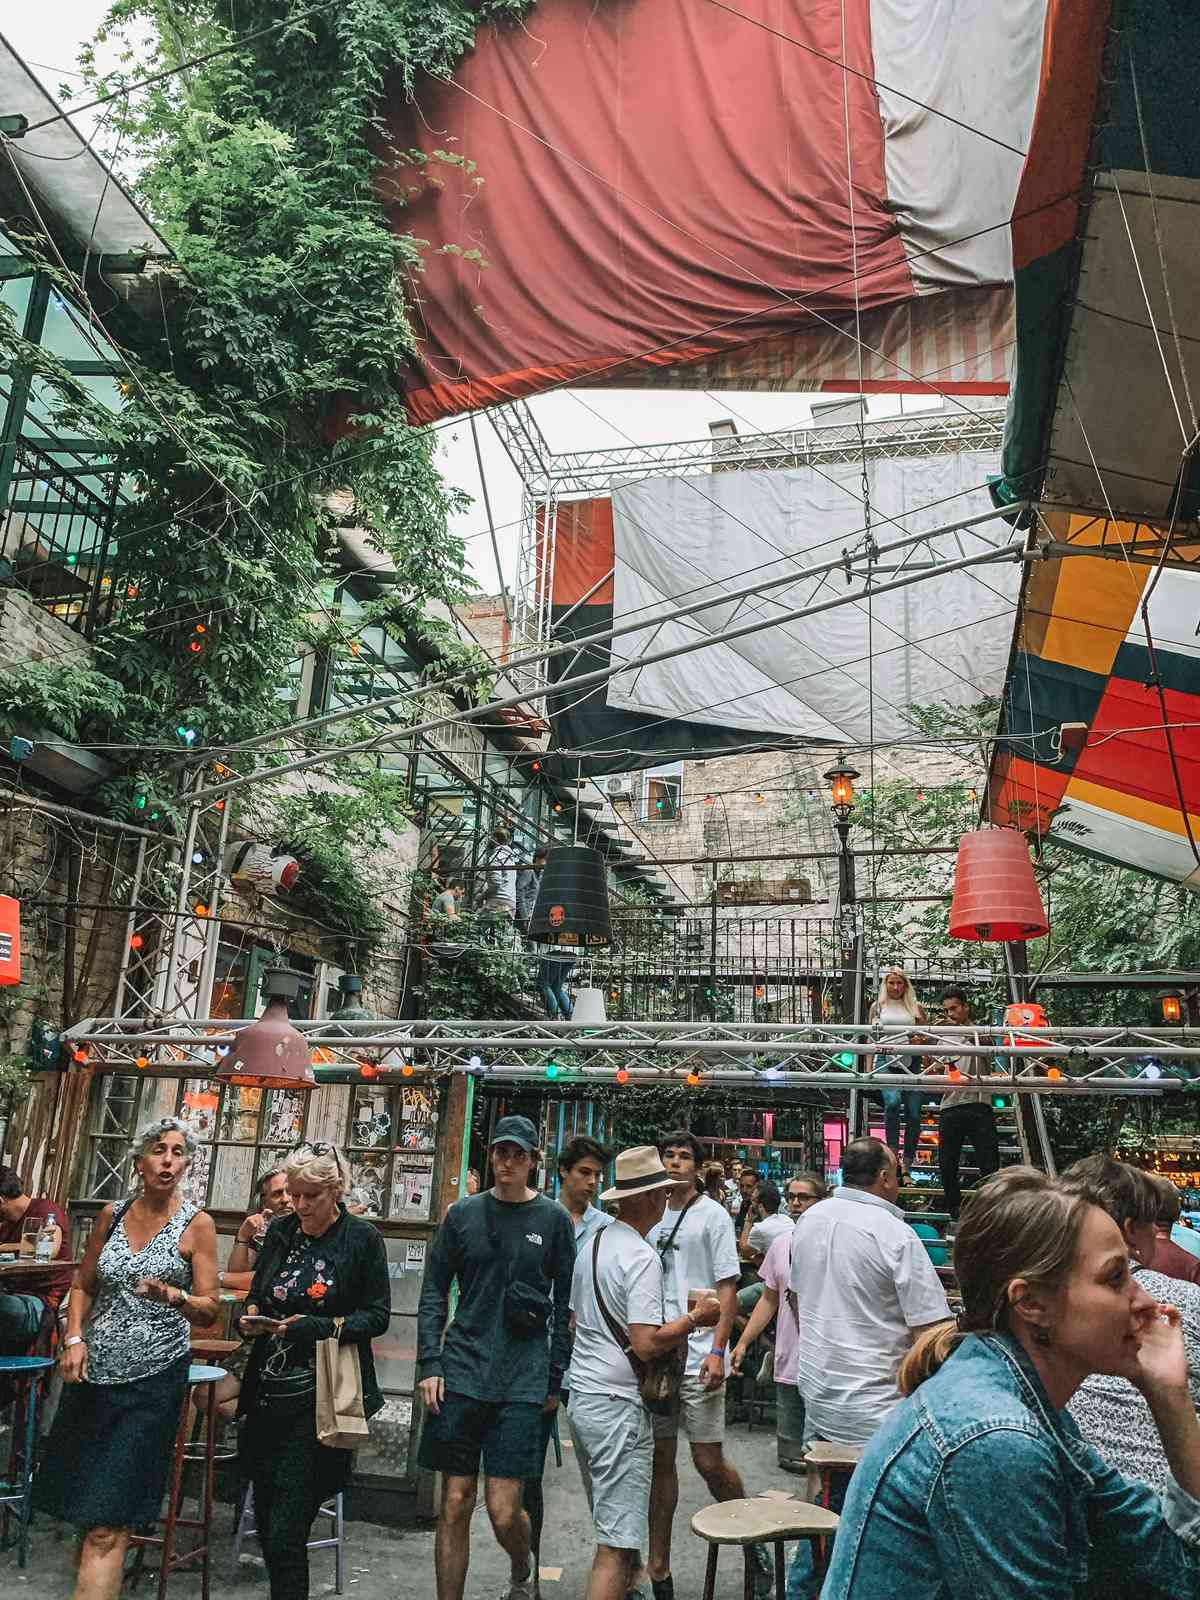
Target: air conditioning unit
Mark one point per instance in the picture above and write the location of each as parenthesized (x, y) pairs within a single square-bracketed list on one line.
[(619, 788)]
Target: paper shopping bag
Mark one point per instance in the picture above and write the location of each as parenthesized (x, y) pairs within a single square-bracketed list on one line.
[(341, 1420)]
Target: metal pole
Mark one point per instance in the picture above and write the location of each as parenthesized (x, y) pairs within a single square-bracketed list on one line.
[(1014, 551)]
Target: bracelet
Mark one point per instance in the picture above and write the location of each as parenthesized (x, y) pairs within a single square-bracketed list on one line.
[(72, 1340), (717, 1350)]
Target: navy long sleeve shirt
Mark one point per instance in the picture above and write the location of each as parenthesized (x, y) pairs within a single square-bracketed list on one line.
[(485, 1243)]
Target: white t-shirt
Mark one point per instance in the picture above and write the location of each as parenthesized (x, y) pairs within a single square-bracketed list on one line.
[(863, 1280), (502, 877), (631, 1281), (764, 1233), (703, 1253)]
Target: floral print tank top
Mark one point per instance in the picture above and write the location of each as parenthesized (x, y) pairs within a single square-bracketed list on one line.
[(127, 1337)]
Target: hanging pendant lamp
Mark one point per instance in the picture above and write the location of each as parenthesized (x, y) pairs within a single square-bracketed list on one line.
[(270, 1053), (589, 1006), (350, 1006), (572, 902), (995, 892)]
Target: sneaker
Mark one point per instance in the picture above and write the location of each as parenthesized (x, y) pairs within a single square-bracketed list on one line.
[(526, 1589)]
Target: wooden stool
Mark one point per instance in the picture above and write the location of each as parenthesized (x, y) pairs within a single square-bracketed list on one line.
[(206, 1454), (761, 1521), (16, 1487), (821, 1458)]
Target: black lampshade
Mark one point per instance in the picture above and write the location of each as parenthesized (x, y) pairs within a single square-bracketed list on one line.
[(572, 902)]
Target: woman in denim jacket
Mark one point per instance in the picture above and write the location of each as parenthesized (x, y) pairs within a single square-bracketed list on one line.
[(979, 1485)]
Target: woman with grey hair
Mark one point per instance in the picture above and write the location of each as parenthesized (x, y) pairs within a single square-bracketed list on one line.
[(322, 1273), (149, 1271)]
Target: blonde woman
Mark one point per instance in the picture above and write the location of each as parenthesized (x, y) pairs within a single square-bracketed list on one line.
[(897, 1007), (979, 1484), (315, 1265)]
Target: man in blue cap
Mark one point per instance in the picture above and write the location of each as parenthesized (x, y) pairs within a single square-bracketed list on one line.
[(487, 1378)]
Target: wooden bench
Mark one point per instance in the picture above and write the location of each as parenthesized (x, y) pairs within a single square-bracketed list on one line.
[(765, 1520)]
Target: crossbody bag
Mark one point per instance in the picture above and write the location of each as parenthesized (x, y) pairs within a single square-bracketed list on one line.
[(526, 1309), (660, 1378)]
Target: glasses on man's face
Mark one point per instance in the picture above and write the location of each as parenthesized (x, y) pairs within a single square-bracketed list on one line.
[(798, 1196)]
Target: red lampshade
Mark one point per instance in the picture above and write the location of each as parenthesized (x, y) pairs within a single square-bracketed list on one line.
[(270, 1053), (995, 893)]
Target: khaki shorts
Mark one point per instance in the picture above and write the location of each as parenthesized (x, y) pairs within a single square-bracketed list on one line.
[(701, 1414)]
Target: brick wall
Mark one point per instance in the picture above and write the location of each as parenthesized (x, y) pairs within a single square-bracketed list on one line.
[(29, 633)]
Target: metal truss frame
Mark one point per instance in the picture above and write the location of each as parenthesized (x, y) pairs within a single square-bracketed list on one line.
[(1112, 1061), (547, 477)]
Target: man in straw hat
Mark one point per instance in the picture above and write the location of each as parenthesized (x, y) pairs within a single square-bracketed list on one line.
[(608, 1421)]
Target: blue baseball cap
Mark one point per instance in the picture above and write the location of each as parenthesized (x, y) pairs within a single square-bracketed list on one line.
[(516, 1130)]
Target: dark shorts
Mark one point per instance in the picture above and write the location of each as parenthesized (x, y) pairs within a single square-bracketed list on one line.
[(506, 1434)]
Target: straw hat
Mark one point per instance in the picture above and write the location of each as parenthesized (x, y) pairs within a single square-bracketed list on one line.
[(638, 1170)]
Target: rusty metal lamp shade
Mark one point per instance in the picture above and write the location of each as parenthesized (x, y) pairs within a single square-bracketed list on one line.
[(995, 892), (572, 903), (270, 1053)]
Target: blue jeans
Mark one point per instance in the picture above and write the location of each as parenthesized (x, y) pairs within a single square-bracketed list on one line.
[(911, 1100), (551, 976), (802, 1582), (20, 1319)]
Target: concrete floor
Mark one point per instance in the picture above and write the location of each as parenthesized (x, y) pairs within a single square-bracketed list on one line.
[(394, 1564)]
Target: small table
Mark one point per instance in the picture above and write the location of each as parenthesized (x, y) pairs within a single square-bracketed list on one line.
[(23, 1264)]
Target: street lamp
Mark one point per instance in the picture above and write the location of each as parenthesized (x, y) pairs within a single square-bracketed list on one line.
[(840, 779)]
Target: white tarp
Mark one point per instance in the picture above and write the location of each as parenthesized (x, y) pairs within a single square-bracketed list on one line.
[(848, 674), (952, 184)]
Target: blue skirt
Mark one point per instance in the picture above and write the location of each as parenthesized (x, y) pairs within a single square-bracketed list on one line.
[(108, 1456)]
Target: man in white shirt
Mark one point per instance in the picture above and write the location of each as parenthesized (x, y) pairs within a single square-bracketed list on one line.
[(609, 1424), (581, 1164), (769, 1222), (865, 1288), (698, 1247), (500, 892)]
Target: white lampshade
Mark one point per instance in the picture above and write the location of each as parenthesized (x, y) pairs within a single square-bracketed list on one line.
[(588, 1006)]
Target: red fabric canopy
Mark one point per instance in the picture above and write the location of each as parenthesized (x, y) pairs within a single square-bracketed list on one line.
[(662, 181)]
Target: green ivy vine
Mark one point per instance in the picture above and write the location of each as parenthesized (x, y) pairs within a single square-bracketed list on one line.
[(261, 377)]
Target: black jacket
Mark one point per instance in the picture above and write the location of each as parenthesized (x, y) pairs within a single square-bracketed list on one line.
[(362, 1295)]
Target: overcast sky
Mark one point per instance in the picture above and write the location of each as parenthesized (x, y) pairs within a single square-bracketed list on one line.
[(49, 36)]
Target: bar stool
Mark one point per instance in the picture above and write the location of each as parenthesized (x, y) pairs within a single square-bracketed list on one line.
[(331, 1509), (762, 1521), (823, 1458), (205, 1453), (16, 1487)]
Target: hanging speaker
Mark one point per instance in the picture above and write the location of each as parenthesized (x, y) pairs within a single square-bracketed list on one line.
[(572, 902)]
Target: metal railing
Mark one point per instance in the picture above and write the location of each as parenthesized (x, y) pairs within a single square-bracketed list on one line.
[(56, 536)]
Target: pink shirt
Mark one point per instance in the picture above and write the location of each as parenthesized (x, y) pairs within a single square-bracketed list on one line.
[(775, 1272)]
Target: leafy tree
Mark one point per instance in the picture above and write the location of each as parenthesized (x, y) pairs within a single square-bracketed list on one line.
[(261, 375)]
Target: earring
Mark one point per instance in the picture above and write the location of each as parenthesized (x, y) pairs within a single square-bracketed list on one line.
[(1041, 1336)]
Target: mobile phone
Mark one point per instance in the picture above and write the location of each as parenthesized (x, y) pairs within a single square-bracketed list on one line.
[(255, 1323)]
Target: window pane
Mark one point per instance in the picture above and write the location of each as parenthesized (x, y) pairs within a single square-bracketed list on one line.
[(406, 1268), (412, 1188), (232, 1178), (368, 1180), (285, 1117), (396, 1355), (371, 1124), (239, 1114)]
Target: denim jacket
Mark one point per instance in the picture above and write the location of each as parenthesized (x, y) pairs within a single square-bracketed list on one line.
[(975, 1486)]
